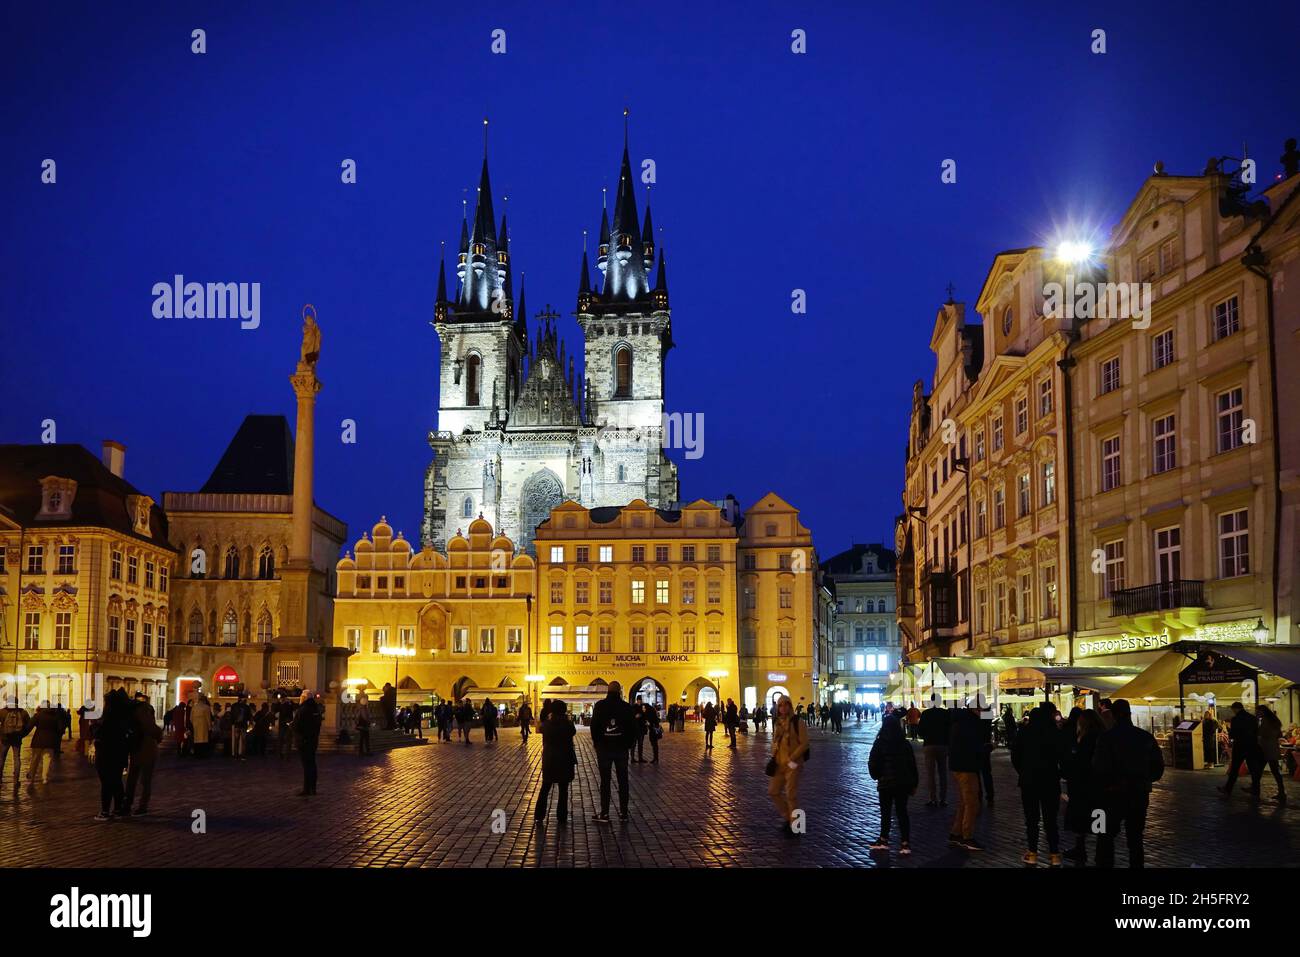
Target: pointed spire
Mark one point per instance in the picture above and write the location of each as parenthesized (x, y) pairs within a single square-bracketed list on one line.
[(521, 323), (503, 238), (464, 225), (442, 274), (661, 279)]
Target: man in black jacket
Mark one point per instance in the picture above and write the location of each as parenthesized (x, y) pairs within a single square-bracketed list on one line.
[(306, 728), (934, 726), (613, 732), (1125, 764), (965, 748), (1243, 733)]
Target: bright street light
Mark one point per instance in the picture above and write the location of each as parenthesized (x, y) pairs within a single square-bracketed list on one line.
[(1073, 252)]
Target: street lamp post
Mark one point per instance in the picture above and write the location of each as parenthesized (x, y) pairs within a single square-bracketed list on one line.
[(397, 653)]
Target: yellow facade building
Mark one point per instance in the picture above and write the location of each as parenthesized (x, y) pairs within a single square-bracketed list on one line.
[(85, 578)]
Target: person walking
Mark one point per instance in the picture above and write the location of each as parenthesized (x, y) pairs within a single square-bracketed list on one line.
[(145, 737), (654, 731), (892, 764), (1270, 751), (465, 720), (559, 762), (284, 727), (488, 713), (913, 720), (789, 752), (306, 730), (934, 727), (613, 731), (1210, 738), (112, 749), (47, 732), (837, 717), (239, 715), (1036, 756), (710, 724), (965, 744), (526, 722), (986, 755), (1243, 733), (1079, 782), (261, 729), (733, 719), (201, 725), (362, 722), (15, 724), (1124, 766)]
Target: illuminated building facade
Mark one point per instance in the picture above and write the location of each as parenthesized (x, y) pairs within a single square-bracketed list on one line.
[(865, 647)]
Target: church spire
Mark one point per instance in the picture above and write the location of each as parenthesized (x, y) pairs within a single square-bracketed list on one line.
[(623, 262), (521, 321), (440, 300), (485, 269)]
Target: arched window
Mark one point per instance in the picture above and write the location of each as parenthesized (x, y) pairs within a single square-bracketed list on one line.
[(871, 605), (264, 627), (471, 380), (232, 562), (266, 563), (467, 507), (230, 628), (623, 373), (196, 627)]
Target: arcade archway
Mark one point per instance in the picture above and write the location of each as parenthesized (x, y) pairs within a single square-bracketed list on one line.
[(649, 690), (700, 692)]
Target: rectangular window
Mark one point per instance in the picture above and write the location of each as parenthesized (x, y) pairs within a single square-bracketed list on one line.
[(999, 507), (981, 610), (661, 639), (638, 592), (751, 561), (606, 553), (354, 639), (1147, 267), (661, 591), (606, 638), (460, 641), (715, 641), (1022, 415), (130, 636), (557, 554), (1048, 472), (64, 631), (148, 574), (132, 569), (67, 561), (638, 553), (557, 593), (581, 592), (1046, 401), (688, 639), (979, 445), (115, 566), (715, 592), (36, 559), (1229, 410), (1022, 495), (1162, 349), (784, 644), (1051, 602), (114, 633), (981, 518), (582, 554), (786, 599), (582, 639), (638, 639), (1168, 255), (997, 434), (688, 553), (1234, 544), (1000, 605), (162, 640), (514, 641), (1226, 320), (860, 662), (1164, 444), (1110, 470), (146, 638), (661, 553), (715, 553), (1109, 374), (406, 637), (1115, 576), (605, 591), (688, 591), (379, 639), (1026, 598), (557, 638), (31, 630)]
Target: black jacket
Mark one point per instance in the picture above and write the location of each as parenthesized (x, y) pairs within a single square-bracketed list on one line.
[(558, 756), (1036, 753), (935, 726), (613, 725), (1127, 761), (1080, 783), (965, 741), (306, 724), (893, 763), (1243, 731)]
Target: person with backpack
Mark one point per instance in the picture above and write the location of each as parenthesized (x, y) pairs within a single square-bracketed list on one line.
[(306, 730), (613, 732), (15, 724), (892, 764), (789, 753), (1036, 756), (559, 761), (47, 732), (145, 736), (1125, 764)]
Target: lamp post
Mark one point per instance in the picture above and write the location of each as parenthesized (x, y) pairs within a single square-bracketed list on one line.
[(533, 682), (397, 653), (1260, 632), (716, 677)]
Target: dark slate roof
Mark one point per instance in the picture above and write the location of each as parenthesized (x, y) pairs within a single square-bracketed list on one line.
[(849, 562), (100, 500), (607, 513), (974, 334), (258, 460)]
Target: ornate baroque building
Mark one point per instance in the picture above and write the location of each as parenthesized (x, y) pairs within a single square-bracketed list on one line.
[(518, 431)]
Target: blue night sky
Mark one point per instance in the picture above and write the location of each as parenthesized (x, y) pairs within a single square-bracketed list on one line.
[(775, 171)]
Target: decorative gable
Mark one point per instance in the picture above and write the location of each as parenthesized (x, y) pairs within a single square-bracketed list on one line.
[(56, 498)]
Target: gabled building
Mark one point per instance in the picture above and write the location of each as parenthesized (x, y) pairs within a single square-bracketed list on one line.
[(865, 648)]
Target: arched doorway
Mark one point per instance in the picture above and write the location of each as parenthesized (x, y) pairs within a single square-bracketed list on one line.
[(700, 692), (541, 493), (773, 693), (462, 684), (650, 692)]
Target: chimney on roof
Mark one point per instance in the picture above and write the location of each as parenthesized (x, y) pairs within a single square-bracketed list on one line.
[(114, 456)]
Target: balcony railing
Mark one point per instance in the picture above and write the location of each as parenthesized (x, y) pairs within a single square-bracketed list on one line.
[(1159, 597)]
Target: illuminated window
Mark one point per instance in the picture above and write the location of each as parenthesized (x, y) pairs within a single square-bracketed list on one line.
[(557, 638), (460, 641), (638, 592), (1229, 409), (581, 638)]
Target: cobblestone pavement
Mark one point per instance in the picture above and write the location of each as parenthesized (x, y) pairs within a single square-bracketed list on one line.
[(432, 806)]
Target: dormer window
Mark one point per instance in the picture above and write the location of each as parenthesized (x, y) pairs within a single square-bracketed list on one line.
[(1008, 320), (56, 497)]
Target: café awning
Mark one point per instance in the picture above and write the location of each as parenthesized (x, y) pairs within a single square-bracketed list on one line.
[(496, 694), (1279, 666)]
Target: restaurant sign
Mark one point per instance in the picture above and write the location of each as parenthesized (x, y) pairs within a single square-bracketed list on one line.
[(1124, 644), (1212, 668)]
